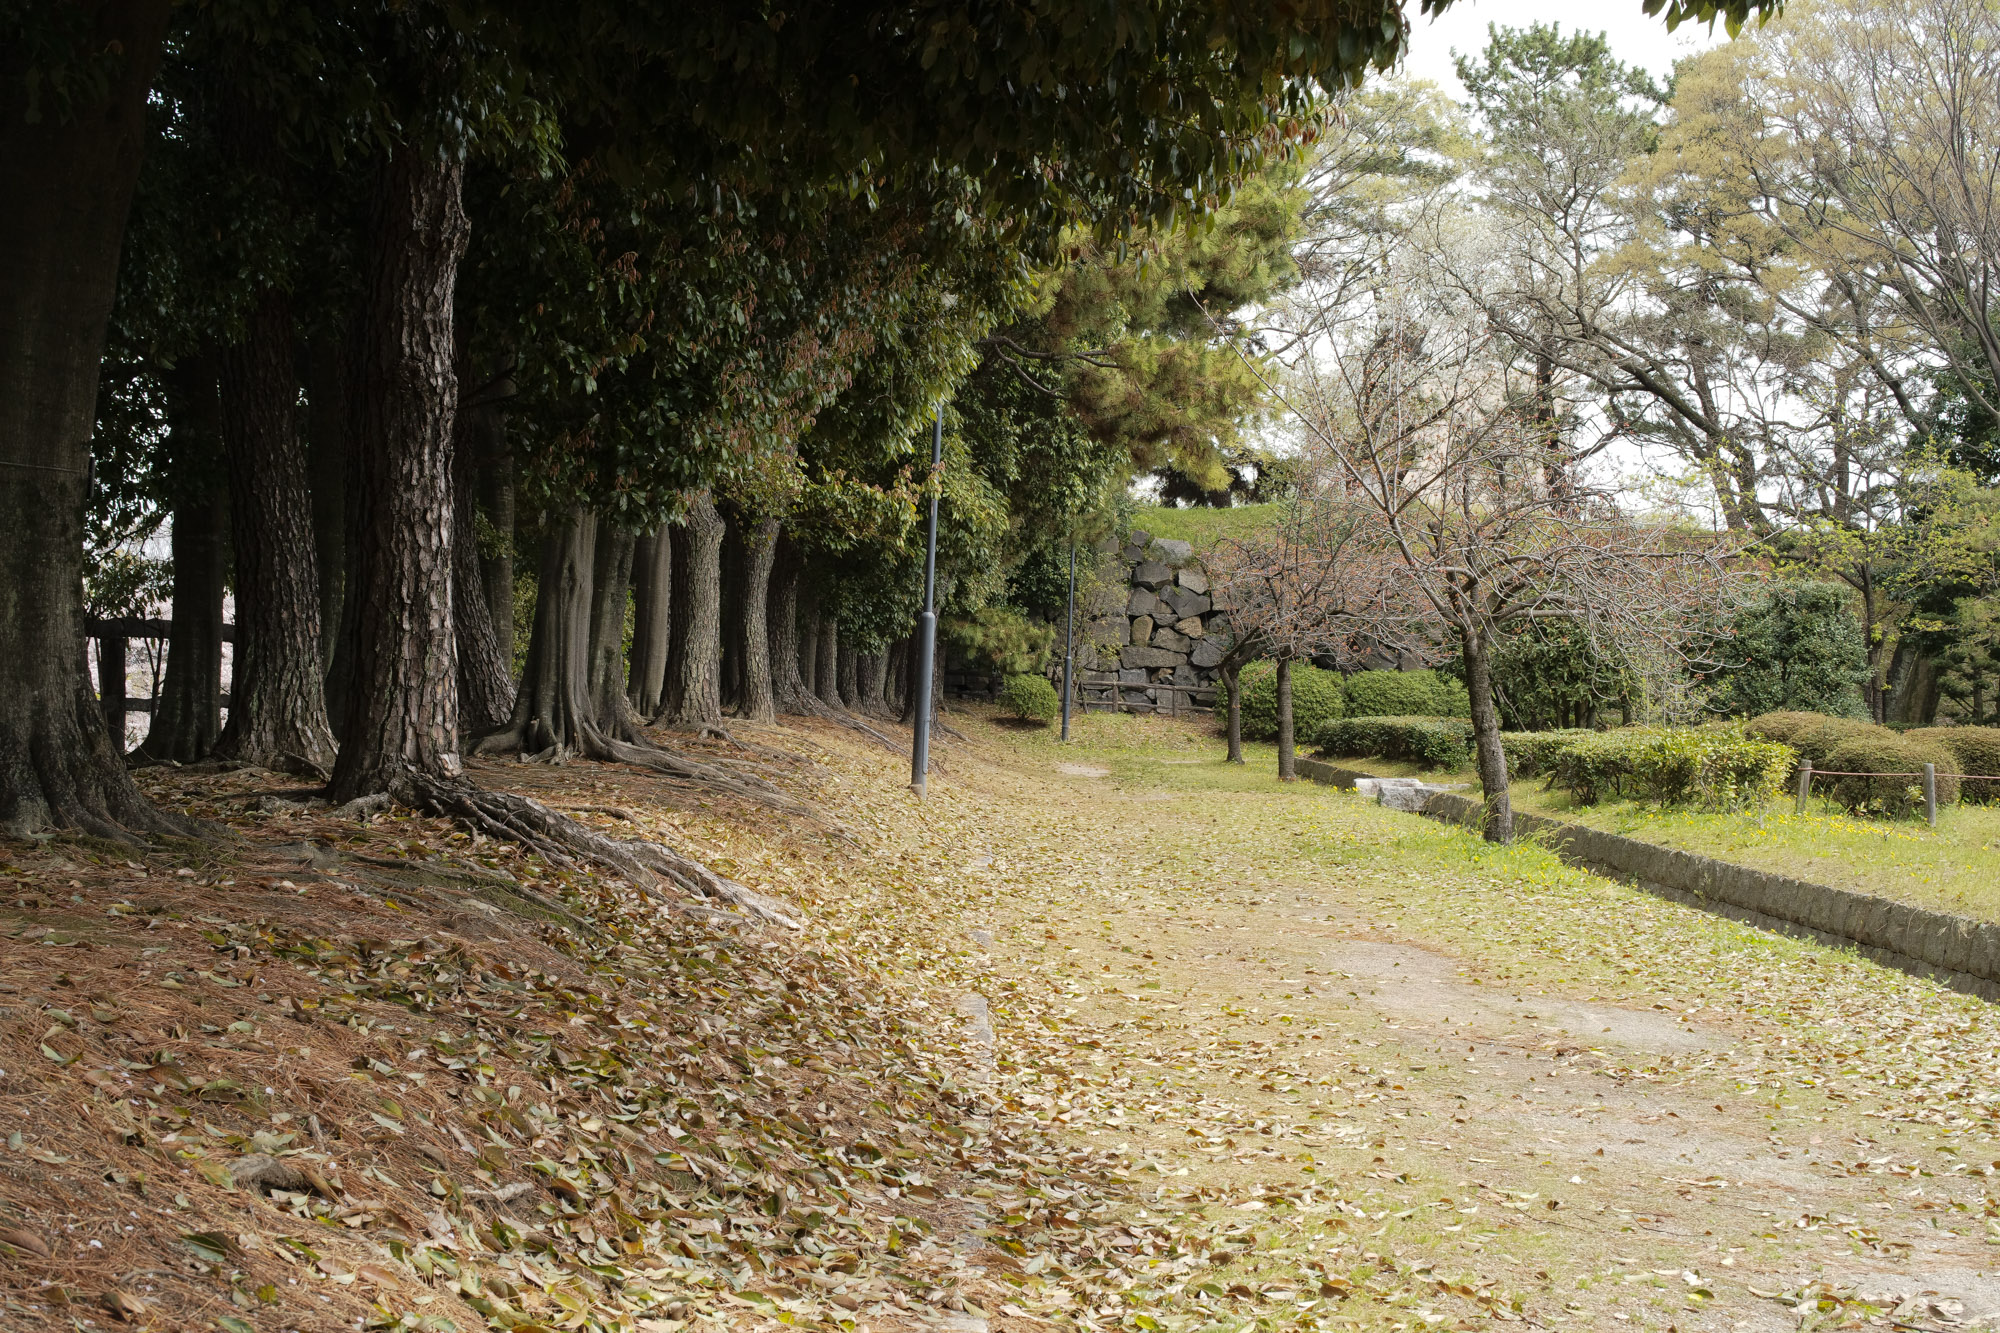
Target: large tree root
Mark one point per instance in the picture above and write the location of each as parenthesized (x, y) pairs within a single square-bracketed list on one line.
[(564, 842), (592, 743), (808, 705)]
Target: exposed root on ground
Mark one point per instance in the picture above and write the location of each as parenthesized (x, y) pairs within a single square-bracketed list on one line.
[(564, 842), (591, 742), (808, 705)]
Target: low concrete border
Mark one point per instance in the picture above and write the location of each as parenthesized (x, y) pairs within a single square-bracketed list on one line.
[(1959, 951)]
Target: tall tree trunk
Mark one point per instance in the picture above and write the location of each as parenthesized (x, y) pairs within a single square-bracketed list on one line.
[(788, 686), (329, 376), (895, 676), (731, 678), (652, 620), (849, 672), (553, 709), (1288, 768), (1497, 816), (808, 643), (826, 671), (485, 667), (694, 699), (187, 718), (869, 678), (1232, 681), (496, 502), (760, 551), (402, 708), (277, 699), (67, 184), (611, 591)]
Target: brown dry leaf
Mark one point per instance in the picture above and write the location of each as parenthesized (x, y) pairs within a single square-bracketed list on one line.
[(27, 1242), (122, 1304)]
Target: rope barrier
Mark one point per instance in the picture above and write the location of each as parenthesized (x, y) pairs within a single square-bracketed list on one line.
[(1970, 777)]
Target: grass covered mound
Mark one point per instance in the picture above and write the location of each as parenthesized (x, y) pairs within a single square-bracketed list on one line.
[(1434, 742), (1976, 750), (1318, 697)]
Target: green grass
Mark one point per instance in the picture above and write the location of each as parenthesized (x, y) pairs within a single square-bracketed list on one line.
[(1954, 867), (1204, 527)]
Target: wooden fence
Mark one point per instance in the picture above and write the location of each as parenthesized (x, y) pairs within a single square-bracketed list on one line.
[(114, 640)]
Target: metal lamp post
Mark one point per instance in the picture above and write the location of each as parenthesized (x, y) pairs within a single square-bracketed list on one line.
[(920, 737), (1069, 640)]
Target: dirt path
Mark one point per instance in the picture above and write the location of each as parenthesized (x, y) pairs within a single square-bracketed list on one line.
[(1718, 1130)]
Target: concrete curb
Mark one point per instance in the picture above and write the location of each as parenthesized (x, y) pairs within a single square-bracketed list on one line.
[(1961, 952)]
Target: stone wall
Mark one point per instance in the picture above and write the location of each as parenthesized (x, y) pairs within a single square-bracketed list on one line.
[(1150, 622)]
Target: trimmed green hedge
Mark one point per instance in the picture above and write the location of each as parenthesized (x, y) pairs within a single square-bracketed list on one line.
[(1880, 750), (1406, 694), (1713, 766), (1030, 698), (1434, 742), (1784, 724), (1317, 698), (1977, 750), (1530, 753)]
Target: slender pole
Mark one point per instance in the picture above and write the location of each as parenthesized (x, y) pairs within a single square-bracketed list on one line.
[(1069, 639), (1930, 794), (1805, 785), (920, 736)]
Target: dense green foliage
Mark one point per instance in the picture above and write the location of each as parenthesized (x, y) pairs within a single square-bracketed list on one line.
[(1030, 698), (1318, 697), (1406, 693), (1976, 752), (1899, 759), (1531, 753), (1798, 647), (1434, 742), (1715, 766)]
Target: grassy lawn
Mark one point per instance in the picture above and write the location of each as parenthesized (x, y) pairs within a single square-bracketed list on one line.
[(1204, 527), (1954, 867)]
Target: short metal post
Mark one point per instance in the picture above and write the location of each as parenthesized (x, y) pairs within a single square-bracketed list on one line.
[(1805, 785), (1069, 641), (920, 715), (1930, 794)]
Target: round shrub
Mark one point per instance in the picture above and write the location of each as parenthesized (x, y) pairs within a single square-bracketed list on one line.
[(1530, 753), (1817, 742), (1316, 700), (1030, 698), (1784, 724), (1879, 750), (1405, 694), (1977, 750)]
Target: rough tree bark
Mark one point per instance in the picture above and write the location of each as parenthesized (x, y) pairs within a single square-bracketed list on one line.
[(808, 642), (485, 666), (1232, 680), (694, 659), (760, 551), (826, 670), (496, 502), (788, 686), (402, 703), (895, 675), (277, 698), (1288, 770), (67, 180), (610, 593), (730, 680), (870, 676), (1496, 820), (849, 673), (328, 376), (652, 620), (187, 718)]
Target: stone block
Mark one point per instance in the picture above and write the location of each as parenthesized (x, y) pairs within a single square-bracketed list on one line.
[(1100, 678), (1193, 578), (1170, 550), (1208, 652), (1150, 657), (1152, 574), (1140, 538), (1191, 628), (1141, 603), (1192, 604), (1168, 639), (1186, 675), (1131, 675), (1140, 631), (1110, 630)]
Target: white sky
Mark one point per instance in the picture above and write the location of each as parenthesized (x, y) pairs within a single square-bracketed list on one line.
[(1635, 38)]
